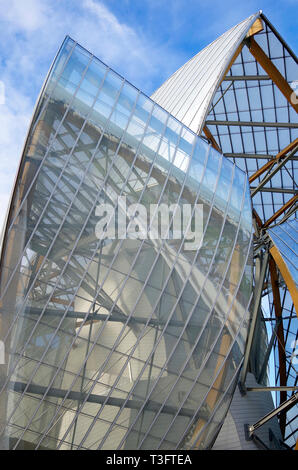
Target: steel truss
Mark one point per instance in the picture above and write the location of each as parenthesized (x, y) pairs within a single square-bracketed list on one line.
[(237, 135)]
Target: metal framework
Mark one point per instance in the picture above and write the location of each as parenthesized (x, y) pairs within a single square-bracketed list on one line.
[(106, 346), (279, 169), (279, 410), (248, 113), (252, 119)]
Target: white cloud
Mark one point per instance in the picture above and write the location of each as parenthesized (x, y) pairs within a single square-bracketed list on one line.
[(128, 51), (15, 116), (120, 37), (31, 32), (107, 19), (27, 15)]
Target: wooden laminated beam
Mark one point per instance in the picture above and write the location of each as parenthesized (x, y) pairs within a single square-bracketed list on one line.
[(271, 70), (281, 211), (269, 164), (257, 218), (257, 27), (290, 283), (211, 139)]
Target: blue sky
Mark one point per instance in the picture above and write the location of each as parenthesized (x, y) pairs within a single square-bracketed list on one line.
[(143, 40)]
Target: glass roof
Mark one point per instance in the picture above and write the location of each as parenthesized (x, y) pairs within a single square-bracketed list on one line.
[(258, 101), (252, 122)]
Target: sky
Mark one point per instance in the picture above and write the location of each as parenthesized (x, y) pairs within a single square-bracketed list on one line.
[(143, 40)]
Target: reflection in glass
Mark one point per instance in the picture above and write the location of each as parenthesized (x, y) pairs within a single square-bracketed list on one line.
[(119, 343)]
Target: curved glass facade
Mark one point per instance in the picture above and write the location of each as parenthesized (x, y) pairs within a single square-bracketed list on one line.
[(119, 343)]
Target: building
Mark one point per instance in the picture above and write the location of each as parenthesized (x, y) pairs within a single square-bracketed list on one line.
[(117, 339)]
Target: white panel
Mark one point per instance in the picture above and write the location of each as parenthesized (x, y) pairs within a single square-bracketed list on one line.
[(189, 91)]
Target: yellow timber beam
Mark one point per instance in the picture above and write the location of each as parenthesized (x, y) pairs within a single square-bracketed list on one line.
[(269, 164), (272, 71), (211, 138), (290, 283), (281, 211)]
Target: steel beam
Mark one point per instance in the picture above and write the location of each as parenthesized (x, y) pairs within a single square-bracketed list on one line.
[(280, 337), (118, 317), (280, 211), (246, 77), (268, 352), (272, 389), (288, 214), (254, 156), (252, 124), (101, 399), (261, 268), (268, 165), (282, 408), (279, 37), (268, 177), (276, 190)]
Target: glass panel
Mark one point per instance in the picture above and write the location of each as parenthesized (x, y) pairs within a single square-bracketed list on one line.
[(109, 327)]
